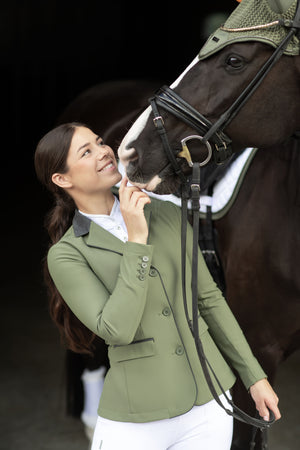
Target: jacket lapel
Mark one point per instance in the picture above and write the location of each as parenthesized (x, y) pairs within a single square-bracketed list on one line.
[(98, 237)]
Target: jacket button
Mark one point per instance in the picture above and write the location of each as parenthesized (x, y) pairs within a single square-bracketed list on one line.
[(166, 311), (153, 273), (179, 350), (145, 258), (141, 277)]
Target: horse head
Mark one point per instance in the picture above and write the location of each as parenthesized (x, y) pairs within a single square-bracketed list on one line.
[(224, 68)]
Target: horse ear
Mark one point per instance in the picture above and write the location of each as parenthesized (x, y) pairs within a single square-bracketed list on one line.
[(279, 6), (245, 24)]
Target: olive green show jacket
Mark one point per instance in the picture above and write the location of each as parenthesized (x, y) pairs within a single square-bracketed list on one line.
[(130, 295)]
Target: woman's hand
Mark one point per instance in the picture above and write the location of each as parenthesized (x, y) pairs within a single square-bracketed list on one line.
[(264, 398), (132, 202)]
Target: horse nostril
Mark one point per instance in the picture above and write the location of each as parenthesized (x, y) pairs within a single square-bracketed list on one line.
[(129, 154), (129, 146)]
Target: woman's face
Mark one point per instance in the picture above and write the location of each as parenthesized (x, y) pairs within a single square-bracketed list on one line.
[(92, 166)]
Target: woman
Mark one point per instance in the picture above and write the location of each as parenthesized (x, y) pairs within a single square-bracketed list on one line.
[(115, 272)]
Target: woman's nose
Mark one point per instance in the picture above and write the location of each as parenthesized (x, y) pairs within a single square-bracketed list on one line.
[(103, 152)]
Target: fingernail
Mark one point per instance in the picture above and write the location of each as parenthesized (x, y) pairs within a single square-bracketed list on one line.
[(266, 417)]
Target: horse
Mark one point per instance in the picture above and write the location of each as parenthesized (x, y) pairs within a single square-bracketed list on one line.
[(258, 238)]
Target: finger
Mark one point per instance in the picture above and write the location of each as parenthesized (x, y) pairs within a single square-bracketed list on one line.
[(277, 413), (129, 188), (139, 197), (274, 408), (265, 413), (125, 191), (133, 193), (142, 202), (123, 184)]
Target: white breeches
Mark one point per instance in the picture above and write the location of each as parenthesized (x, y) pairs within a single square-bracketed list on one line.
[(205, 427)]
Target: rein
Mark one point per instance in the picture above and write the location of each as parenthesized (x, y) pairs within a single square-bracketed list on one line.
[(218, 146), (236, 412)]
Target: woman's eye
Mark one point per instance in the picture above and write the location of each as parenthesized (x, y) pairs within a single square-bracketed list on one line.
[(86, 152), (100, 142)]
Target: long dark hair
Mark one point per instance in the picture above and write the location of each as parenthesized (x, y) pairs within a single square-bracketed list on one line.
[(51, 157)]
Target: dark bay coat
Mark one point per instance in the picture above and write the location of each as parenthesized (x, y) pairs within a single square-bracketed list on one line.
[(130, 295)]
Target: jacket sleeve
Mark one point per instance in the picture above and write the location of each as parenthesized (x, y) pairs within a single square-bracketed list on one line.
[(113, 316), (223, 327)]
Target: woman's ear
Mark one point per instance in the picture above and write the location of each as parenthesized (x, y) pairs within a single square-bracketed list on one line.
[(61, 180)]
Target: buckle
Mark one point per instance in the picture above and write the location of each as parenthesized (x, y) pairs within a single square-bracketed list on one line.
[(156, 119)]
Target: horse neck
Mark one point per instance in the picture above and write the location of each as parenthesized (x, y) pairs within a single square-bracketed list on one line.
[(282, 165), (290, 150)]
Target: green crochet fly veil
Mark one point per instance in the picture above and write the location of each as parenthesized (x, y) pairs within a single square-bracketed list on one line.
[(255, 20)]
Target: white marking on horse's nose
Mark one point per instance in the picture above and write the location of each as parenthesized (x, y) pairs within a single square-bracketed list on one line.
[(150, 185), (153, 183), (132, 135)]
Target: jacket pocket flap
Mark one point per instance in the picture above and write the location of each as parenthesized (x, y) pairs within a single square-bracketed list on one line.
[(137, 349)]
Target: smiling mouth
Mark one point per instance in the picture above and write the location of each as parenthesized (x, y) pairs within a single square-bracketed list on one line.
[(107, 167)]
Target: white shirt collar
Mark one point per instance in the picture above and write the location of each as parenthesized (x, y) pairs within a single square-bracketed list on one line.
[(114, 222)]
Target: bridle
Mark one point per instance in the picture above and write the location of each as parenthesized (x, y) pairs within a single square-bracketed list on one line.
[(218, 146)]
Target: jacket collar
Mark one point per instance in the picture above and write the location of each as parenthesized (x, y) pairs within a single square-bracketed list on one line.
[(81, 224), (98, 236)]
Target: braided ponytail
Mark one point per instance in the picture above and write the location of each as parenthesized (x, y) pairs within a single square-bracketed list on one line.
[(51, 157), (59, 218)]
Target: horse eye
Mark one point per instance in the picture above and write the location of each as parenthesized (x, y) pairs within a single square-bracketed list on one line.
[(236, 62)]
